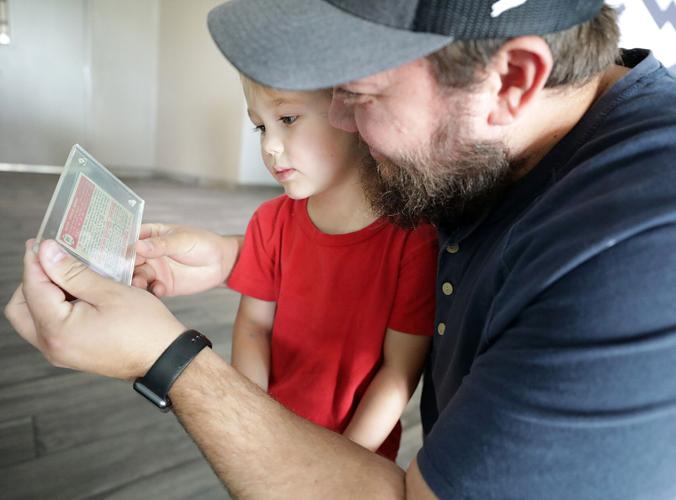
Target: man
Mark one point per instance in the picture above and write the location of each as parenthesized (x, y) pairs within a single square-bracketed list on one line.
[(549, 171)]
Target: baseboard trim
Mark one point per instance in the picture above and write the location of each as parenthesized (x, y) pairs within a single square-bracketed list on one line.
[(140, 173)]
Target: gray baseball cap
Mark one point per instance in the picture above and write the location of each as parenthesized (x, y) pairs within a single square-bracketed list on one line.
[(310, 44)]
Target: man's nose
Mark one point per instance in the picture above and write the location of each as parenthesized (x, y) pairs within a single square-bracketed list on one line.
[(341, 115)]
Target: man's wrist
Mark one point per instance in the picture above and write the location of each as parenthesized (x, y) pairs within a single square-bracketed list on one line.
[(156, 349), (157, 382)]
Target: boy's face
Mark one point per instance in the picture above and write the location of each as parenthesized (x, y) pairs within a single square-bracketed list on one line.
[(302, 151)]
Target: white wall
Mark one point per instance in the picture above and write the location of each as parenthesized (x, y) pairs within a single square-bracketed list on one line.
[(200, 101), (42, 84), (252, 171), (80, 71), (142, 86), (121, 122)]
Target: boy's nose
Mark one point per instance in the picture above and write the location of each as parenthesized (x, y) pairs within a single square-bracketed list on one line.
[(341, 115), (272, 145)]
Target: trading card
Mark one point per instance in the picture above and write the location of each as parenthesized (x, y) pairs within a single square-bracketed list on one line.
[(95, 217)]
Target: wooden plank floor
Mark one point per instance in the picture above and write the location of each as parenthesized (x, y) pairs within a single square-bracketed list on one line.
[(66, 435)]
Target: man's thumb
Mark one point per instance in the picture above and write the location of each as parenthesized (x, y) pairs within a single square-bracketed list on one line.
[(72, 275)]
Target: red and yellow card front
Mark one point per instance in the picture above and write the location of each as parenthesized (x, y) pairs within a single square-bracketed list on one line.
[(96, 227)]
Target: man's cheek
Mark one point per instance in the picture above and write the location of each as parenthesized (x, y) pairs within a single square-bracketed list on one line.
[(378, 132)]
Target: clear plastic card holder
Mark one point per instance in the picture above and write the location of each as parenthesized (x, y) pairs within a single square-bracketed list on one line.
[(94, 216)]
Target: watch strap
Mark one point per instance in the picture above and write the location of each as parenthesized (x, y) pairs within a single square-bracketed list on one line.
[(155, 384)]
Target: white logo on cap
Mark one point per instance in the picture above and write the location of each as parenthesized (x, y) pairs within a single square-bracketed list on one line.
[(504, 5)]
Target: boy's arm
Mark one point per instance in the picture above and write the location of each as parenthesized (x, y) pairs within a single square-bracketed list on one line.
[(251, 339), (232, 245), (256, 446), (381, 407)]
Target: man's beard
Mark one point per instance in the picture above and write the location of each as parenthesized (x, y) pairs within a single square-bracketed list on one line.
[(441, 187)]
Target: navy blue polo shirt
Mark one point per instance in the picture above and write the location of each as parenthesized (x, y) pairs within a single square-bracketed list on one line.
[(553, 369)]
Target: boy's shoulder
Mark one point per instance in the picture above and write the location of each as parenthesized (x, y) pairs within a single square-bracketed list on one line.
[(275, 209), (422, 234)]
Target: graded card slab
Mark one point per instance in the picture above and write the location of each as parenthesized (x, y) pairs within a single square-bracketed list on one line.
[(95, 217), (96, 227)]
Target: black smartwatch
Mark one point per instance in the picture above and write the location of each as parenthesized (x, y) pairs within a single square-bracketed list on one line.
[(155, 384)]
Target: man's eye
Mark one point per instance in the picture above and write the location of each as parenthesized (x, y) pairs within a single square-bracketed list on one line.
[(352, 98), (259, 128), (288, 120)]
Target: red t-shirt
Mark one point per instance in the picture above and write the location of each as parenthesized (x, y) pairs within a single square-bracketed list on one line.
[(336, 295)]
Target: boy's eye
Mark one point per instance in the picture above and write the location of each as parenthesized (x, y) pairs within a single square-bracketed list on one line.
[(259, 128), (288, 120)]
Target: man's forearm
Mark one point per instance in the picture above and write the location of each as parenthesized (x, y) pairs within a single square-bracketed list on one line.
[(258, 448)]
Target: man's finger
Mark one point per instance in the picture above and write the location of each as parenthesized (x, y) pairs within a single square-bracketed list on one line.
[(19, 316), (45, 301), (74, 276), (138, 282)]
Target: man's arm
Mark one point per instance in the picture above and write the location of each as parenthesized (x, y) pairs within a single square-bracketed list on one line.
[(257, 447), (386, 397)]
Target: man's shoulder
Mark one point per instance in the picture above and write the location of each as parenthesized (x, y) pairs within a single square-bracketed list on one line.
[(623, 150), (613, 179)]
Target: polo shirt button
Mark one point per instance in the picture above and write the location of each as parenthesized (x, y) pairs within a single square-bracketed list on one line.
[(441, 328), (447, 288), (453, 248)]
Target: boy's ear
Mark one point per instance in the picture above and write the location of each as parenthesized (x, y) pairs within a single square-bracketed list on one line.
[(519, 71)]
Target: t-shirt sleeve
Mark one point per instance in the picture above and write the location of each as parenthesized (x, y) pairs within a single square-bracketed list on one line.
[(254, 272), (577, 397), (413, 308)]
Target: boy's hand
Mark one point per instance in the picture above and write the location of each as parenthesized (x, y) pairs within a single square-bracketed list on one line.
[(182, 260), (113, 330)]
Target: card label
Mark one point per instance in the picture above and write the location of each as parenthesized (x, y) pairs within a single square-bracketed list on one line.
[(96, 227)]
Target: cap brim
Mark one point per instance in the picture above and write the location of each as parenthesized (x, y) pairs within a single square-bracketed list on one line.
[(310, 44)]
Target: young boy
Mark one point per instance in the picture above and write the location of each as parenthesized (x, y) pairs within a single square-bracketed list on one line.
[(337, 305)]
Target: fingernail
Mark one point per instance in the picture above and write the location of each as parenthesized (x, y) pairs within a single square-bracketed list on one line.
[(54, 253)]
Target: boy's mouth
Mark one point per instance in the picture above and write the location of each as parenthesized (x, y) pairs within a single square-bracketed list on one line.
[(284, 173)]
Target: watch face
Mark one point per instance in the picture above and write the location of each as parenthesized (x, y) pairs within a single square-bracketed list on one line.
[(163, 403)]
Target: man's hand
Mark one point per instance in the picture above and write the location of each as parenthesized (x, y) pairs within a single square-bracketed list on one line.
[(113, 330), (182, 260)]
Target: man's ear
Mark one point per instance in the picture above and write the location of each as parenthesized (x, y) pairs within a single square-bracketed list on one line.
[(520, 69)]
